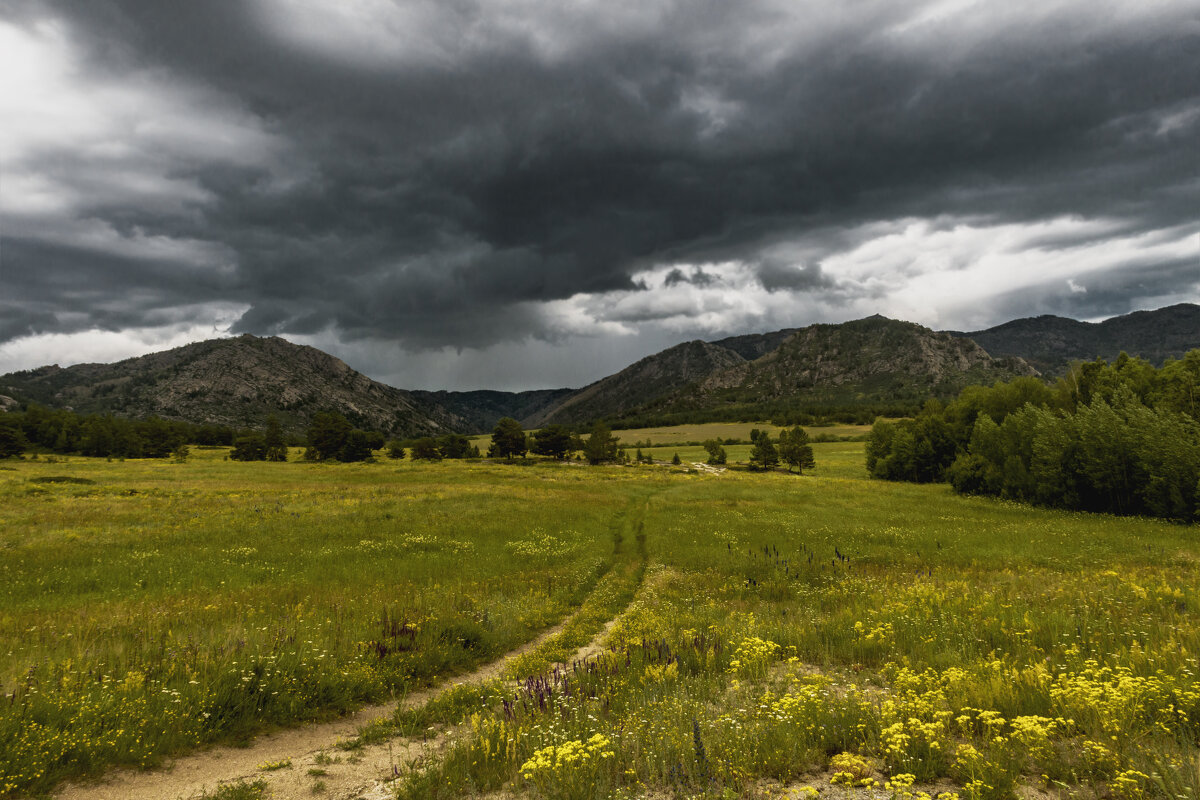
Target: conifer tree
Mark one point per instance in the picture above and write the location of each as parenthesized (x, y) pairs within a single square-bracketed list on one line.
[(273, 438)]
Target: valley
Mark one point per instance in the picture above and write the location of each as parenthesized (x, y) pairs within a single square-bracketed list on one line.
[(749, 628)]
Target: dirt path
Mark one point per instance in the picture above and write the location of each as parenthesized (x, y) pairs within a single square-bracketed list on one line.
[(318, 767), (349, 776)]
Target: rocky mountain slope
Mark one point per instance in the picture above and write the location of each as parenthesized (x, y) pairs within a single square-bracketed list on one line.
[(238, 382), (755, 345), (642, 383), (868, 360), (873, 359), (1051, 343)]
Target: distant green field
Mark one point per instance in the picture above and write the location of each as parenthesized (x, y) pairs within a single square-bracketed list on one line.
[(834, 459), (703, 432), (725, 430), (788, 629)]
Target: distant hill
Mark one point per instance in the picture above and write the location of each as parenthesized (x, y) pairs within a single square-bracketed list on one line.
[(873, 359), (481, 410), (1051, 343), (239, 382), (637, 385), (867, 360)]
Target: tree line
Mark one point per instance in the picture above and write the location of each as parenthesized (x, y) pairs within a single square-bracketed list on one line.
[(102, 435), (1119, 437), (331, 437)]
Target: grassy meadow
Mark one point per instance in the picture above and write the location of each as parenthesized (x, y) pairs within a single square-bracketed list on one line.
[(680, 434), (775, 635), (147, 606), (686, 439)]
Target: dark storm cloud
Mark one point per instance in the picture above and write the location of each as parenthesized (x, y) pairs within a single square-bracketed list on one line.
[(434, 192), (697, 277), (775, 275)]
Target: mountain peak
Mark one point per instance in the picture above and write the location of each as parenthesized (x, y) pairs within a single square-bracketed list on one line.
[(237, 381)]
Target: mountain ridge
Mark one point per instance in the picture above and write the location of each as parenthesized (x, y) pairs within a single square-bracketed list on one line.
[(1051, 342), (241, 380), (875, 359)]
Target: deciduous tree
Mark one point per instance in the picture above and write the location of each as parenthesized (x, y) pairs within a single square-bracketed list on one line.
[(716, 452)]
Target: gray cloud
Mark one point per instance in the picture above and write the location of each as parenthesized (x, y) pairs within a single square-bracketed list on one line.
[(776, 275), (697, 277), (430, 179)]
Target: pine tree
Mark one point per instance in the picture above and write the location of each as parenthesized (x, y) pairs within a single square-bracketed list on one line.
[(795, 450), (601, 445), (763, 454), (508, 439), (326, 435), (273, 437)]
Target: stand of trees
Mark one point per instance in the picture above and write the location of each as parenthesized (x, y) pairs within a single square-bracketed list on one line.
[(795, 450), (1120, 438), (427, 448), (331, 437), (268, 445), (556, 441), (103, 435)]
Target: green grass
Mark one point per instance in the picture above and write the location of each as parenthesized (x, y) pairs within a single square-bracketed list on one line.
[(834, 459), (767, 622), (678, 434), (164, 605), (678, 437), (242, 790), (984, 643)]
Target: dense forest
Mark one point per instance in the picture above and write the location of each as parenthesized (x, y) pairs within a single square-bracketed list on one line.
[(1118, 437)]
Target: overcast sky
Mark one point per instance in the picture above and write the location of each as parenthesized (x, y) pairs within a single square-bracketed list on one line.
[(526, 193)]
